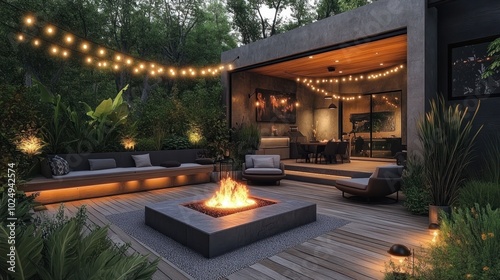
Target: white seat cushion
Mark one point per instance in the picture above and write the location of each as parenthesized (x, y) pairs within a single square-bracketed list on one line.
[(356, 183), (263, 171)]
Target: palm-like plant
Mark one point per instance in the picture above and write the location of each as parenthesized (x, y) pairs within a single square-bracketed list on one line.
[(447, 141)]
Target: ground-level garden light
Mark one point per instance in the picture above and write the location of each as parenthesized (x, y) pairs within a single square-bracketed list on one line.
[(401, 253)]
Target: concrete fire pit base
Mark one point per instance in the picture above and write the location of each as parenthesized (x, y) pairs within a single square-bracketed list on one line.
[(212, 237)]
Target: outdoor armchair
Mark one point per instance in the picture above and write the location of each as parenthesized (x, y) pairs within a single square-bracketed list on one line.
[(384, 181)]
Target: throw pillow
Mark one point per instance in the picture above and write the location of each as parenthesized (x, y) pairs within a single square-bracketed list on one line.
[(104, 163), (170, 163), (142, 160), (59, 166), (263, 162), (204, 161)]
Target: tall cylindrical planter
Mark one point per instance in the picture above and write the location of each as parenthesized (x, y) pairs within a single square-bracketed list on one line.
[(434, 213)]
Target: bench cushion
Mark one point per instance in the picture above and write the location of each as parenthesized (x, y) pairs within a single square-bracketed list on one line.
[(263, 171)]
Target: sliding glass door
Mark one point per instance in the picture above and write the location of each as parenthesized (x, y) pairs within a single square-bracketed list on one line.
[(373, 124)]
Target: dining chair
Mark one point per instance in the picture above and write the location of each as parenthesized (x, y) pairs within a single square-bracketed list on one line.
[(302, 153), (330, 152), (342, 150)]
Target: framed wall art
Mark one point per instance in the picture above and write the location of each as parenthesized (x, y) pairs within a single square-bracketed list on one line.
[(467, 62), (275, 106)]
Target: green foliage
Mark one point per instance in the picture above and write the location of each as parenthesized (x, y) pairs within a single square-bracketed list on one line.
[(107, 118), (417, 197), (447, 144), (490, 159), (493, 51), (468, 245), (20, 118), (67, 248), (176, 143), (245, 139), (54, 130), (148, 144), (480, 192)]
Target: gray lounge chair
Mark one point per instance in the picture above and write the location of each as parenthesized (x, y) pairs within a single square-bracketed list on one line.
[(384, 181)]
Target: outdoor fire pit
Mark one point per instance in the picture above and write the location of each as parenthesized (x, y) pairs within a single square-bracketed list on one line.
[(215, 224)]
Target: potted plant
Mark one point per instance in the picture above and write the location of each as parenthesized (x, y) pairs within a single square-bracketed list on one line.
[(447, 140)]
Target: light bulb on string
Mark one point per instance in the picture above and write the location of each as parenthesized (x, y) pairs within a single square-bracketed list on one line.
[(85, 47), (69, 39), (29, 20), (20, 37), (36, 42), (50, 30)]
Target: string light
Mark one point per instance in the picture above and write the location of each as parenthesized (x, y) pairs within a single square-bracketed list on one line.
[(29, 20), (313, 84), (70, 42), (69, 39), (85, 46), (50, 30)]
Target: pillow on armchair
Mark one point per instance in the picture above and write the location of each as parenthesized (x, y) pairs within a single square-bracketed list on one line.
[(263, 162)]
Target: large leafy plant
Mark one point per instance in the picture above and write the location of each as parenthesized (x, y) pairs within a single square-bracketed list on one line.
[(447, 139), (64, 248), (106, 119)]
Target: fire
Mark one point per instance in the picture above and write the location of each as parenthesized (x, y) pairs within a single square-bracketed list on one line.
[(231, 194)]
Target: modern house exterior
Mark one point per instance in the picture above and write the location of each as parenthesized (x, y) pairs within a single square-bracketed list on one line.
[(377, 65)]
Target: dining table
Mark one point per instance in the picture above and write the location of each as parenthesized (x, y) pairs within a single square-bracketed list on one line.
[(315, 148)]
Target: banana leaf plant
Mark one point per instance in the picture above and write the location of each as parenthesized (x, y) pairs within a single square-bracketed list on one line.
[(107, 117)]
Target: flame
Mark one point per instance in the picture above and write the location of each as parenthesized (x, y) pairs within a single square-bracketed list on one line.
[(231, 194)]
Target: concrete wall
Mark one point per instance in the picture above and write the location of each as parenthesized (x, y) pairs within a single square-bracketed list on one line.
[(358, 26), (243, 109)]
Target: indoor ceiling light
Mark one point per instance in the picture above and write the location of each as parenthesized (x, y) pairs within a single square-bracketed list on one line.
[(328, 97), (332, 106)]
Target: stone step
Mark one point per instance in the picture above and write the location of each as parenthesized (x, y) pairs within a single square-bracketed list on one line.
[(316, 178), (318, 170)]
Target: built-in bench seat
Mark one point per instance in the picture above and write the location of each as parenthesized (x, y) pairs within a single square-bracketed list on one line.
[(83, 183)]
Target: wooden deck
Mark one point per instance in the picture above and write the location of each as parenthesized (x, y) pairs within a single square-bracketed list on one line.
[(357, 250)]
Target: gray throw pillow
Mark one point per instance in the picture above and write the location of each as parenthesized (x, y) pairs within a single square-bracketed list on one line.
[(103, 163), (142, 160), (263, 162)]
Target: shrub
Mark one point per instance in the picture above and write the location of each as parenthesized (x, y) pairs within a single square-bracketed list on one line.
[(480, 192), (417, 197), (67, 248), (146, 144), (176, 143), (467, 246)]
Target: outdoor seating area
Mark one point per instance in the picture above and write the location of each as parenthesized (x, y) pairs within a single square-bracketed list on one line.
[(243, 140)]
